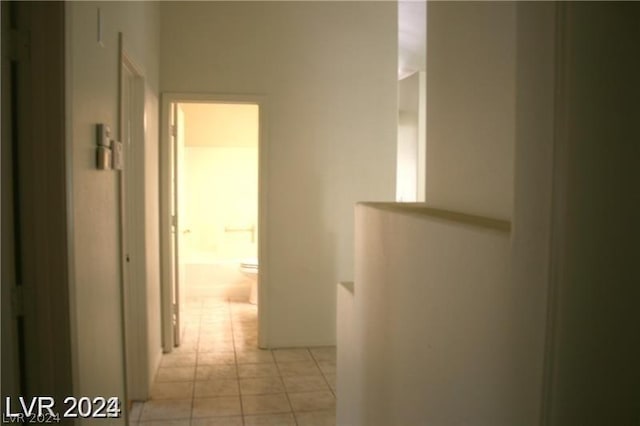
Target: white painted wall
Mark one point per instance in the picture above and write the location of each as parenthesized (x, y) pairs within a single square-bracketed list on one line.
[(410, 168), (93, 96), (471, 63), (220, 181), (221, 194), (328, 70), (520, 297), (433, 308)]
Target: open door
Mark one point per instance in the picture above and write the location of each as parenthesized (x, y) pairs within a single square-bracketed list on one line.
[(174, 328)]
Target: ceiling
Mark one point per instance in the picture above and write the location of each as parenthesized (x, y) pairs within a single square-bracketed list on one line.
[(412, 37)]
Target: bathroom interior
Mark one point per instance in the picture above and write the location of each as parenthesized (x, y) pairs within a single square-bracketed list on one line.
[(218, 199)]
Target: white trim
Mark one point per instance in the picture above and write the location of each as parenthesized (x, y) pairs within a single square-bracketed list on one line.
[(69, 188), (165, 205), (421, 184), (558, 201)]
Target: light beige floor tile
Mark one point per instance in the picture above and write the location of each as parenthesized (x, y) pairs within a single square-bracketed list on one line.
[(166, 409), (217, 350), (218, 421), (207, 358), (289, 355), (212, 315), (331, 379), (226, 345), (219, 335), (216, 387), (135, 411), (265, 404), (186, 348), (180, 422), (177, 359), (175, 374), (270, 420), (261, 385), (327, 367), (216, 407), (190, 319), (257, 370), (312, 401), (218, 371), (215, 326), (172, 390), (325, 353), (242, 345), (190, 337), (305, 383), (316, 418), (299, 368), (254, 356)]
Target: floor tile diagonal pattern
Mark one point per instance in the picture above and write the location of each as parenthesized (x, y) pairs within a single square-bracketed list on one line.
[(218, 376)]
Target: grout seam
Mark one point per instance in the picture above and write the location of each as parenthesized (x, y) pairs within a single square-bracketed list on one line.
[(235, 358)]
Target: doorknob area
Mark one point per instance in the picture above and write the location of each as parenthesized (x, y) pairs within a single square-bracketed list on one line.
[(127, 258)]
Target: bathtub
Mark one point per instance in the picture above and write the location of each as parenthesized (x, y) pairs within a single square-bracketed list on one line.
[(209, 277)]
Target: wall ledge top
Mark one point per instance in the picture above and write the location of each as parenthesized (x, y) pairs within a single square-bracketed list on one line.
[(426, 211)]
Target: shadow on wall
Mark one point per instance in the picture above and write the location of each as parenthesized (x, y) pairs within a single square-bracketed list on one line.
[(312, 260)]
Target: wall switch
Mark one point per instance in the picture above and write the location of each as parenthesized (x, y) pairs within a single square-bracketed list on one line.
[(117, 159), (103, 135), (103, 158)]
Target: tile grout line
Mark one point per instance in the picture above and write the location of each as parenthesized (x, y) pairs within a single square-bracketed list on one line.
[(235, 358), (195, 370), (286, 392), (323, 374)]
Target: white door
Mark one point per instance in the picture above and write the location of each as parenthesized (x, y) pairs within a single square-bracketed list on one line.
[(134, 280), (177, 215)]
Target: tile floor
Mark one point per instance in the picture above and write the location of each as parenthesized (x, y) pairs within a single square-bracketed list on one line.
[(218, 376)]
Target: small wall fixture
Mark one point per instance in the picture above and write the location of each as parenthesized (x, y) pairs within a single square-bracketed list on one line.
[(109, 153)]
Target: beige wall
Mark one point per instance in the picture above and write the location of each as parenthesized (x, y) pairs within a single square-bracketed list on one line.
[(479, 131), (221, 193), (93, 96), (220, 181), (328, 70), (433, 309), (471, 62), (410, 119)]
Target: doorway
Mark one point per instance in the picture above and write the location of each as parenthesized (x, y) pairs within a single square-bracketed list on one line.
[(212, 198)]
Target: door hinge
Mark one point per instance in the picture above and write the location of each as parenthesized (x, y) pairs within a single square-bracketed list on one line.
[(174, 220), (174, 317), (174, 131), (17, 301), (20, 42)]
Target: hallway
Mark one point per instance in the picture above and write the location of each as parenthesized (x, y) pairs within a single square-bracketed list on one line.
[(219, 377)]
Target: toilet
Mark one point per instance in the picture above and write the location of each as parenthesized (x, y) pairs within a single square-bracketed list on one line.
[(249, 267)]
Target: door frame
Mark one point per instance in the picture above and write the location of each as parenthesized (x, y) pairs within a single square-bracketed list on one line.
[(132, 232), (37, 220), (166, 273)]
